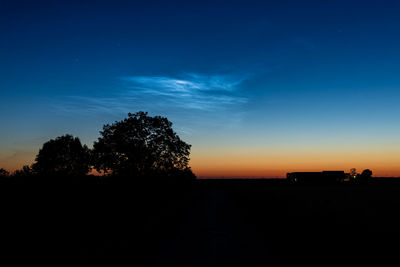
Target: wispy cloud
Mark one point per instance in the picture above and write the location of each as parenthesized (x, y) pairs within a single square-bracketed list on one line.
[(190, 91)]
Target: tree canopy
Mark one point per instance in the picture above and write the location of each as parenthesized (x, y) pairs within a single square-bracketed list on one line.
[(64, 155), (140, 146)]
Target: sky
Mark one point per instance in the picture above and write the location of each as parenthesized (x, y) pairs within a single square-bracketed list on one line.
[(258, 88)]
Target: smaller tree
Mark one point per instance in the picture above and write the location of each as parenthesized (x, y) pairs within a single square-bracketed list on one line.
[(64, 155)]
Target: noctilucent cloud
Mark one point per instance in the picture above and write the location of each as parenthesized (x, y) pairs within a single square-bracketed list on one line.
[(259, 88)]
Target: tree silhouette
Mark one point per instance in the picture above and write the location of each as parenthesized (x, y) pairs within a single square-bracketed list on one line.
[(4, 173), (24, 172), (63, 156), (353, 173), (140, 146), (365, 175)]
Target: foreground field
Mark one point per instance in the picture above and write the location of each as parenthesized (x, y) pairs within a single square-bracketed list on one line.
[(205, 223)]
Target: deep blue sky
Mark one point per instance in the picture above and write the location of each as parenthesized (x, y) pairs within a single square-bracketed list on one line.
[(257, 83)]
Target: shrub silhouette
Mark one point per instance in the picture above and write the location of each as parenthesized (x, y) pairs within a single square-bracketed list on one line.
[(365, 175), (141, 146), (63, 156), (24, 172), (4, 173)]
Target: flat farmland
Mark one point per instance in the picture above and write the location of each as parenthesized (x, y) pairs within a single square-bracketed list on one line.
[(204, 223)]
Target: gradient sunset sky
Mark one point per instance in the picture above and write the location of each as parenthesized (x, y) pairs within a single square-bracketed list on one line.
[(258, 88)]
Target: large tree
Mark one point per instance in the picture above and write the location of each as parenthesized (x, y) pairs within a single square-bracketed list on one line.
[(64, 155), (140, 146)]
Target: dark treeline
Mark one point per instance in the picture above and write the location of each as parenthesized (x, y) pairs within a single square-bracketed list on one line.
[(170, 219), (138, 148), (91, 225)]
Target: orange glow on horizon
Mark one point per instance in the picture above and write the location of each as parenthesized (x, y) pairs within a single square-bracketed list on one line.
[(277, 164), (260, 163)]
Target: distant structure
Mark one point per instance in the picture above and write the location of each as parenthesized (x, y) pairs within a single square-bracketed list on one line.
[(324, 176), (329, 177)]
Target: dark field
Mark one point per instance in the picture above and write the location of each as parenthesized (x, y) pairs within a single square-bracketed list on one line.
[(204, 223)]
